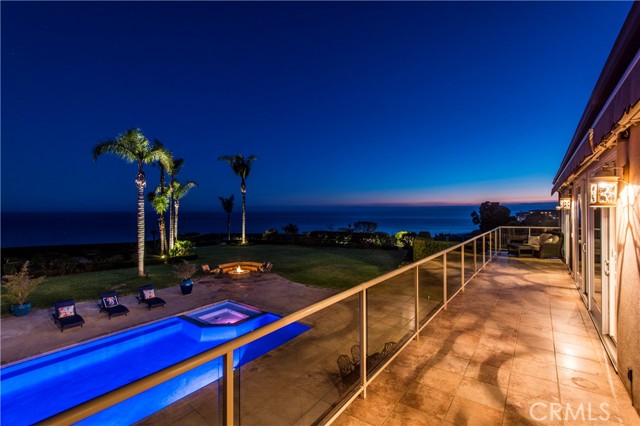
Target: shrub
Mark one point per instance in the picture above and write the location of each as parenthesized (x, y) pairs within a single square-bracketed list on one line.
[(405, 239), (19, 285), (425, 247), (270, 234), (181, 248), (365, 226), (184, 270), (291, 228)]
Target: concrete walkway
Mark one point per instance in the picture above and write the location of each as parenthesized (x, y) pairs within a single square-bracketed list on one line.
[(516, 348), (36, 334)]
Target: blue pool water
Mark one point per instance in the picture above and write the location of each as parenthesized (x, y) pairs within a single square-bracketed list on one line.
[(36, 389)]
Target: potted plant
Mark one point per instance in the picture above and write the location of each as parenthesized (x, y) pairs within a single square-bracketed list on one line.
[(185, 270), (18, 286)]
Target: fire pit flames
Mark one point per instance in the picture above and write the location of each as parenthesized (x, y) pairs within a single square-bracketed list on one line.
[(239, 272)]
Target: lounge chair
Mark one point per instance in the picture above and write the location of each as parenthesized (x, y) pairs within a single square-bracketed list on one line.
[(148, 295), (110, 304), (65, 315)]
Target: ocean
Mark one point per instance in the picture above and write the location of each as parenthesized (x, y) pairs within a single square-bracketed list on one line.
[(24, 229)]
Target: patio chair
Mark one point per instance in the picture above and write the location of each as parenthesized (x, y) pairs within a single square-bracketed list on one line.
[(110, 304), (207, 270), (148, 295), (65, 315), (355, 354), (345, 365), (388, 348), (266, 267)]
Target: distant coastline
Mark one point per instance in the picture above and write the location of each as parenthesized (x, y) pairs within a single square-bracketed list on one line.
[(26, 229)]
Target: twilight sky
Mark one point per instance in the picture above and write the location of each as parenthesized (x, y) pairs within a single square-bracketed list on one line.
[(342, 102)]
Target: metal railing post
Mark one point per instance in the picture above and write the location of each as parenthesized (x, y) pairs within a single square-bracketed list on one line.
[(484, 252), (490, 246), (417, 321), (363, 342), (444, 279), (227, 384), (475, 256), (462, 267)]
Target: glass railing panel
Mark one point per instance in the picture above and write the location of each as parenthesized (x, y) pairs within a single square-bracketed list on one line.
[(205, 404), (391, 313), (454, 271), (478, 254), (431, 291), (469, 262), (305, 378)]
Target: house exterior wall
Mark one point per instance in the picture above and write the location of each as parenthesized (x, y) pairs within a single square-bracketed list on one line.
[(628, 266), (603, 247)]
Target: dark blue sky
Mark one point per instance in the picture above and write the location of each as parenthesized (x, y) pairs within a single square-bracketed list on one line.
[(346, 103)]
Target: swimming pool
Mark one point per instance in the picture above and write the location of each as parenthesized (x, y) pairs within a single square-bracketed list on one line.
[(36, 389)]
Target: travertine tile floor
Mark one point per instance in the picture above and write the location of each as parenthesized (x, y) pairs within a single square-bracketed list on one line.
[(516, 348)]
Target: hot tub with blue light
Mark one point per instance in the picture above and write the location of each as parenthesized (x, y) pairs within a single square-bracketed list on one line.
[(41, 387)]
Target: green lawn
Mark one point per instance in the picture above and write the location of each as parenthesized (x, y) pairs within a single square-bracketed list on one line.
[(332, 267)]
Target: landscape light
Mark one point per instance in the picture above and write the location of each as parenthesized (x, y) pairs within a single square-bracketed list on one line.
[(604, 188)]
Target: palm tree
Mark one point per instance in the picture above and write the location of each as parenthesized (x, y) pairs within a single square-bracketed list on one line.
[(241, 167), (133, 147), (173, 170), (227, 206), (179, 190), (160, 201), (156, 197)]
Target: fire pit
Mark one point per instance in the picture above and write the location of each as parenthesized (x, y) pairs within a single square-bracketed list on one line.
[(239, 273)]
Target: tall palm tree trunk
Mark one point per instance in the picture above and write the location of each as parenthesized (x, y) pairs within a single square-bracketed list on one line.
[(161, 222), (229, 226), (244, 215), (171, 224), (163, 235), (141, 182), (175, 218)]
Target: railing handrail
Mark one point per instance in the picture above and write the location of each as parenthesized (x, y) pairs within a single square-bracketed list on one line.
[(97, 404)]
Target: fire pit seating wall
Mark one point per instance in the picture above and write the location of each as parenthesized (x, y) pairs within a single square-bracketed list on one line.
[(245, 266)]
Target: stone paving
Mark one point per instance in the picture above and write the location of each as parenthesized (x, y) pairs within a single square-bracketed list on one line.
[(36, 334)]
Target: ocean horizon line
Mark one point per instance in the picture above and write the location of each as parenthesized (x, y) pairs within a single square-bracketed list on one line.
[(290, 207)]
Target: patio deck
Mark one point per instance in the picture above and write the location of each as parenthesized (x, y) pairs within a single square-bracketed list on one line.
[(518, 340)]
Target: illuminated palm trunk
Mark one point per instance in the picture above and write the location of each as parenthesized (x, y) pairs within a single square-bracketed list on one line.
[(243, 188), (228, 226), (141, 182), (171, 224), (163, 236), (175, 218)]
